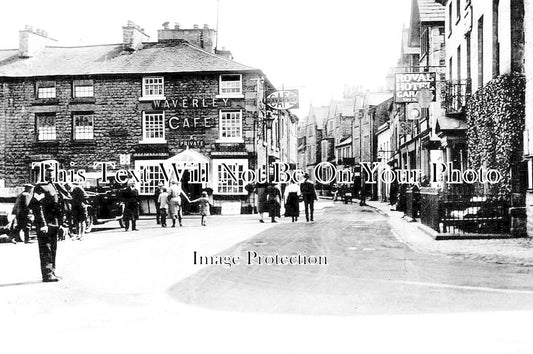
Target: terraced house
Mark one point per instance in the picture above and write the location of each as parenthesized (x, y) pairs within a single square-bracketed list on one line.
[(135, 105)]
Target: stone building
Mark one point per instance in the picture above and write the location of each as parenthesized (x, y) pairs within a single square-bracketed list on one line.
[(138, 104)]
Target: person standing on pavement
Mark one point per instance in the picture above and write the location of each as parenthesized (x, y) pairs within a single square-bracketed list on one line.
[(21, 210), (307, 188), (291, 198), (163, 206), (262, 205), (130, 197), (174, 196), (47, 206), (158, 203)]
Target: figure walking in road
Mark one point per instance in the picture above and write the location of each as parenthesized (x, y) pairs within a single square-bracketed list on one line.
[(163, 206), (291, 199), (47, 206), (158, 190), (174, 196), (21, 210), (307, 188), (130, 197), (79, 209), (262, 205), (274, 201), (204, 205)]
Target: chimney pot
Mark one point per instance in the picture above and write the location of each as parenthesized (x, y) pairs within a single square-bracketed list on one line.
[(165, 25), (195, 26), (206, 26), (177, 25)]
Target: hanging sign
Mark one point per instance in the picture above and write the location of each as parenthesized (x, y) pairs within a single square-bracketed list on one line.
[(284, 99), (407, 86)]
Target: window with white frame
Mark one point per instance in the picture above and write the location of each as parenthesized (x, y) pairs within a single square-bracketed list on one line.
[(153, 87), (83, 126), (229, 176), (46, 89), (46, 126), (230, 125), (154, 176), (231, 85), (154, 127), (83, 88)]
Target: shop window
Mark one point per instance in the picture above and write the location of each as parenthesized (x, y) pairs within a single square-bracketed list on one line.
[(46, 127), (231, 85), (83, 88), (154, 176), (230, 126), (153, 128), (229, 176), (46, 89), (153, 87), (83, 126)]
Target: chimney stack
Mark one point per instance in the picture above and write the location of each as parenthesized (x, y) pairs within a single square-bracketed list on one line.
[(133, 36), (203, 38), (31, 41)]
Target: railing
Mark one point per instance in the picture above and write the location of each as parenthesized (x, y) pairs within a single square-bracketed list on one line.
[(455, 95), (465, 209)]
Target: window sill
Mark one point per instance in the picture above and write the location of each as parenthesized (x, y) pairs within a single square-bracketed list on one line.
[(45, 101), (78, 100), (146, 142), (84, 141), (229, 141), (47, 143), (230, 96), (152, 98)]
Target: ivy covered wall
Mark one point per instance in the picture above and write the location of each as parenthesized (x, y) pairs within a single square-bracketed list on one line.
[(496, 116)]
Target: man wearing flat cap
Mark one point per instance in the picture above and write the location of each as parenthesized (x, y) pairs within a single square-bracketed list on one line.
[(47, 206), (307, 189)]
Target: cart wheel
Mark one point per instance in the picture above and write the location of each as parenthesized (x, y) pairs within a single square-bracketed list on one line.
[(89, 223)]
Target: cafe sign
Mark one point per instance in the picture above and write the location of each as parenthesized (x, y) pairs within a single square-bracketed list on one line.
[(284, 99), (408, 85)]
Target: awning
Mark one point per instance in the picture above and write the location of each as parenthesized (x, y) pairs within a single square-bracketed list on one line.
[(346, 141), (188, 156), (448, 123)]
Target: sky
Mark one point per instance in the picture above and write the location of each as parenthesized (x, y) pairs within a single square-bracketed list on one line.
[(314, 46)]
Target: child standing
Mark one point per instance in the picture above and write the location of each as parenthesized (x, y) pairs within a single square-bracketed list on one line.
[(203, 203), (163, 206)]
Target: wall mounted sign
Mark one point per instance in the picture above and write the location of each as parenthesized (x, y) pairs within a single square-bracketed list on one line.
[(192, 142), (284, 99), (407, 86), (175, 122), (190, 102)]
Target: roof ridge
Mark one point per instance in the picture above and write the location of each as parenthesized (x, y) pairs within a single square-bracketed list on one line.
[(83, 46), (217, 56)]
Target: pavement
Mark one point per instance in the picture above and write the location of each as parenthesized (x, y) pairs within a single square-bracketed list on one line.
[(517, 251)]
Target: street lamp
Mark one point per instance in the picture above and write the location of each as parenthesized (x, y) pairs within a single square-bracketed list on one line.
[(268, 120)]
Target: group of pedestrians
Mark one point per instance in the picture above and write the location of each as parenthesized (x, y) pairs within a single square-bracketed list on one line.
[(269, 200), (168, 202), (50, 207)]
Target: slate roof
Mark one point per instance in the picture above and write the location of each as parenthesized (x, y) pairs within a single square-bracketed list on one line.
[(321, 115), (162, 57), (431, 11)]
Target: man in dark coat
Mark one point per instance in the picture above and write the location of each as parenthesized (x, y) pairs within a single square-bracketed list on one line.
[(157, 204), (21, 210), (130, 197), (47, 204), (307, 188)]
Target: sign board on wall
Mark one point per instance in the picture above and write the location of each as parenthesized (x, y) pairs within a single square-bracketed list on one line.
[(407, 86)]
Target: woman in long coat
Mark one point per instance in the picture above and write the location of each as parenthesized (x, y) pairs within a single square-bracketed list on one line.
[(274, 201), (262, 202), (292, 201)]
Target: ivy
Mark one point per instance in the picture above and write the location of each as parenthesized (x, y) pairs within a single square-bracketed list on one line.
[(496, 117)]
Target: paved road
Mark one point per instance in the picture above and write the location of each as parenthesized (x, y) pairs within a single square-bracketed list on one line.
[(140, 292), (369, 272)]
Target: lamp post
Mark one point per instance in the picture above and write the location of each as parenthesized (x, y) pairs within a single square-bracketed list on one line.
[(267, 125)]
